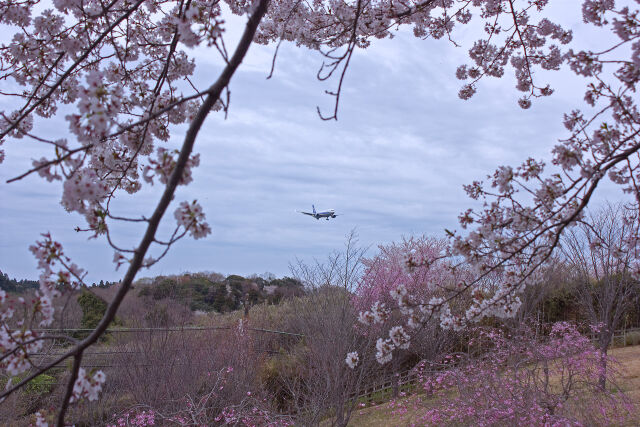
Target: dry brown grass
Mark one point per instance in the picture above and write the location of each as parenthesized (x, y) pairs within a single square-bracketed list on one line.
[(383, 416), (629, 358)]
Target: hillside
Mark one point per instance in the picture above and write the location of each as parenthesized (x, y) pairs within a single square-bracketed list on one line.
[(213, 292), (394, 412)]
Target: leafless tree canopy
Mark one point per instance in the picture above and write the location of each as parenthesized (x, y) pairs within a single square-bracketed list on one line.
[(600, 270)]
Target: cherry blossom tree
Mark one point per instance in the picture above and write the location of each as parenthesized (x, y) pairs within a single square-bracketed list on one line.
[(386, 278), (123, 70), (526, 209), (127, 53)]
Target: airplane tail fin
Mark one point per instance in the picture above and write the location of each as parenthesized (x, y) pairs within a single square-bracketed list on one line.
[(314, 209)]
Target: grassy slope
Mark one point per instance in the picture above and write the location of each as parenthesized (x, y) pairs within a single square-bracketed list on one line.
[(382, 416)]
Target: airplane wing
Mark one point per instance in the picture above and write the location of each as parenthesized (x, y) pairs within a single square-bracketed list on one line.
[(306, 213)]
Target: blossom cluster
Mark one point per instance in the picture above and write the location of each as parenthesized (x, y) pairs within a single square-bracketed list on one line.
[(191, 217), (515, 36), (18, 345), (164, 165), (87, 386), (398, 337), (379, 313), (352, 359), (57, 273)]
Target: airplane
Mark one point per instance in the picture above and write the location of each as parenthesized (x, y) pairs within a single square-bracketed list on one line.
[(317, 215)]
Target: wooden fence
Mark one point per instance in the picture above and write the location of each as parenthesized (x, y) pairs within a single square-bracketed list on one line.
[(620, 337), (390, 387), (623, 337)]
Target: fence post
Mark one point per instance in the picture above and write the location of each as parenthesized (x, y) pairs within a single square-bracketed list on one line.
[(395, 385)]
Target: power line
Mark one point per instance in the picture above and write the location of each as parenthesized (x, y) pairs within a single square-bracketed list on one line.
[(168, 329)]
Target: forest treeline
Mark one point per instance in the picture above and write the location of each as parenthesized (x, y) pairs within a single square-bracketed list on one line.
[(557, 299), (8, 284)]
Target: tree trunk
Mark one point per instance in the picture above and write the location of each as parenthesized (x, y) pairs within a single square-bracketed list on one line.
[(247, 307), (340, 421), (395, 385), (605, 341), (602, 380)]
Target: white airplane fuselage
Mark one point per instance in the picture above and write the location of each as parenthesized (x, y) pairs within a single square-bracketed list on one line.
[(331, 213), (326, 214)]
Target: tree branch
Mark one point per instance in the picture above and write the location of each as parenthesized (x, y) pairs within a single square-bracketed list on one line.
[(136, 263)]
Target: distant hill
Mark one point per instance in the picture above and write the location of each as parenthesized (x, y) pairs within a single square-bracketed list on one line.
[(199, 291), (214, 292), (17, 286)]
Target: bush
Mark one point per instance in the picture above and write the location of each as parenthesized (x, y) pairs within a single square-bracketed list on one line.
[(40, 385), (36, 394), (93, 308), (525, 381), (279, 372)]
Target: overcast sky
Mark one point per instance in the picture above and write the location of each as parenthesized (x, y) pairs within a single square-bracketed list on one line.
[(393, 165)]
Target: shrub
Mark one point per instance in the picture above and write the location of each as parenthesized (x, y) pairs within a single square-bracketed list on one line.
[(93, 308), (40, 385), (524, 381)]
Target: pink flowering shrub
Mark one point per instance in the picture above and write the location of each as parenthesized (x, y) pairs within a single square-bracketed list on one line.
[(389, 283), (137, 419), (387, 270), (210, 408), (249, 414), (520, 380)]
